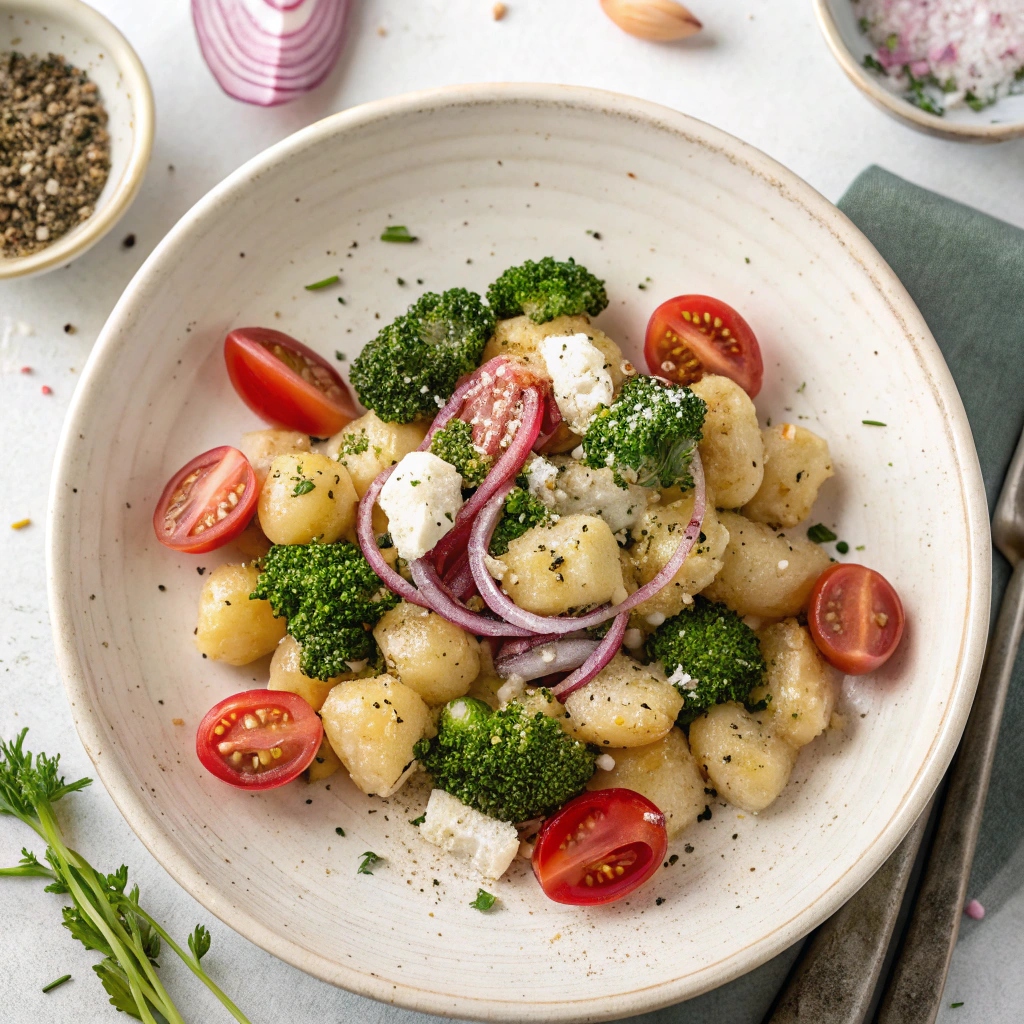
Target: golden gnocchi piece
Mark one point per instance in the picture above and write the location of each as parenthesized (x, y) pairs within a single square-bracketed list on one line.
[(572, 564), (746, 762), (261, 447), (520, 338), (625, 705), (372, 725), (732, 450), (232, 628), (368, 445), (802, 685), (428, 653), (665, 772), (287, 674), (765, 573), (657, 537), (306, 498), (796, 464)]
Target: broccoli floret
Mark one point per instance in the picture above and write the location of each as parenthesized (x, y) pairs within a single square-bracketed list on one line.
[(330, 597), (510, 764), (522, 512), (454, 443), (546, 290), (647, 436), (713, 646), (411, 368)]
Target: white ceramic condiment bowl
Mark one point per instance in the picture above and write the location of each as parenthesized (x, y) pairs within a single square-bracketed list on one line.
[(487, 176), (90, 42), (849, 45)]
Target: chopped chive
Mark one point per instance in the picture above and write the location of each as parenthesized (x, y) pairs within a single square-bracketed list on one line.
[(484, 900), (397, 233), (873, 423), (842, 547), (325, 283), (952, 1006), (800, 390), (860, 547), (820, 534), (67, 977)]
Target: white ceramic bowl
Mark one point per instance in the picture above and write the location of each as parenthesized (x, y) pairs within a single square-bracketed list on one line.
[(849, 45), (82, 35), (487, 176)]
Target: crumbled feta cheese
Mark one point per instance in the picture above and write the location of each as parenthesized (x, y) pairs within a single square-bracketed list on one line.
[(633, 639), (783, 564), (605, 762), (568, 487), (540, 477), (683, 680), (421, 499), (496, 567), (579, 378), (512, 689), (656, 619), (488, 844)]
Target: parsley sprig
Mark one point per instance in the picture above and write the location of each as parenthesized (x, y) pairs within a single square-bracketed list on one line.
[(105, 915)]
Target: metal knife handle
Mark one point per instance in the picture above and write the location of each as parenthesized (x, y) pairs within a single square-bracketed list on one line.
[(914, 992), (835, 981)]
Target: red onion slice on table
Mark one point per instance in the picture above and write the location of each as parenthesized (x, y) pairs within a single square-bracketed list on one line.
[(602, 654), (501, 604), (268, 52)]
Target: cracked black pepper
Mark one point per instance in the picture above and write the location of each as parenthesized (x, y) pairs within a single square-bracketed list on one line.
[(54, 150)]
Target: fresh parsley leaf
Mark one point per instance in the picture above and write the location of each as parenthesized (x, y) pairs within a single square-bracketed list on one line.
[(370, 860), (484, 900), (303, 487), (820, 534), (397, 233), (199, 942)]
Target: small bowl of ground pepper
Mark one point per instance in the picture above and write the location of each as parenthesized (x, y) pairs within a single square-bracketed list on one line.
[(76, 132)]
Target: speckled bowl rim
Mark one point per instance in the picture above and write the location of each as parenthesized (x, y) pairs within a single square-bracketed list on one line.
[(140, 95), (899, 108), (974, 629)]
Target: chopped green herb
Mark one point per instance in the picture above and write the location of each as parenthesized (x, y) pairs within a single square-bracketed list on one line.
[(354, 444), (397, 233), (873, 64), (842, 547), (339, 355), (339, 831), (401, 281), (673, 858), (820, 533), (341, 300), (370, 860), (484, 900), (892, 42), (864, 24), (873, 423), (952, 1006), (303, 487), (325, 283), (860, 547), (800, 390), (56, 982), (746, 259), (418, 821)]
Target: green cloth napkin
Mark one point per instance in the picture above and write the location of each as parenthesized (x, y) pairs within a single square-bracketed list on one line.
[(965, 271)]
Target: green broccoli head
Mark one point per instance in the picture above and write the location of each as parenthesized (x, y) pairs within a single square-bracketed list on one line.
[(647, 436), (546, 290), (330, 597), (411, 368), (522, 512), (454, 443), (713, 646), (511, 764)]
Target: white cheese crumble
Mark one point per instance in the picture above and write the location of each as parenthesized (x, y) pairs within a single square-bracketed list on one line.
[(783, 564), (656, 619), (605, 762), (683, 680), (580, 381), (488, 844), (421, 499), (540, 477), (633, 639)]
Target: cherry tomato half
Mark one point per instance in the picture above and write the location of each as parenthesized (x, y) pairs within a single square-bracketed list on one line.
[(259, 739), (855, 618), (693, 335), (207, 502), (286, 383), (599, 847)]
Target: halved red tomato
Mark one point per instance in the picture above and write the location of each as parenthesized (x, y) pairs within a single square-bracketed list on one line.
[(286, 383), (492, 404), (207, 502), (693, 335), (259, 739), (599, 847), (855, 618)]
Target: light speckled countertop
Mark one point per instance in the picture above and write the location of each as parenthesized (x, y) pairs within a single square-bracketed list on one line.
[(760, 70)]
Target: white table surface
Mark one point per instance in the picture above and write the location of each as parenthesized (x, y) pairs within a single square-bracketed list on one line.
[(759, 70)]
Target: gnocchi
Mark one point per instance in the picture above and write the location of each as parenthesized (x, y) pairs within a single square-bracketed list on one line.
[(286, 674), (796, 463), (373, 724), (306, 498), (368, 445), (261, 447), (231, 627)]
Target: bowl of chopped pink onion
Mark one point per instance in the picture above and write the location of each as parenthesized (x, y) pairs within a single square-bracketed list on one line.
[(950, 68)]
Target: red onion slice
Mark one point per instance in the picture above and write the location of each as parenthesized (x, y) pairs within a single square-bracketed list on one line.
[(501, 604), (544, 659), (602, 654), (437, 598), (268, 52)]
